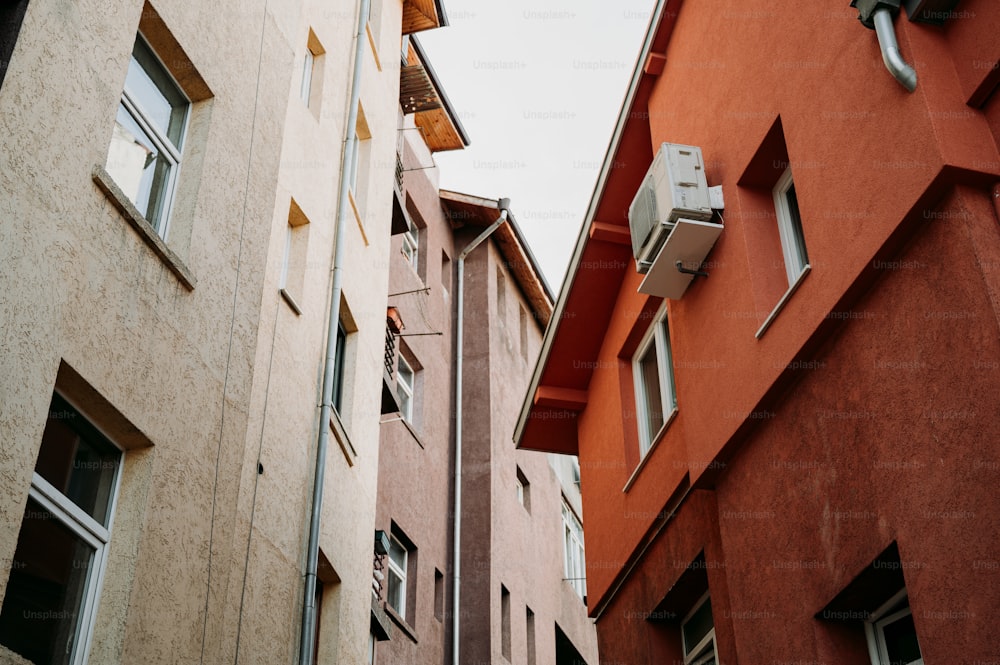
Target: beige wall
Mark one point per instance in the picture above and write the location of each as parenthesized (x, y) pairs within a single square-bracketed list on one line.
[(203, 548)]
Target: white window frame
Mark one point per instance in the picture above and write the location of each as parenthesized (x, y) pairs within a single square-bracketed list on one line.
[(371, 648), (888, 613), (696, 655), (658, 335), (407, 409), (400, 573), (89, 530), (519, 489), (308, 63), (355, 158), (411, 246), (162, 141), (574, 561), (795, 264)]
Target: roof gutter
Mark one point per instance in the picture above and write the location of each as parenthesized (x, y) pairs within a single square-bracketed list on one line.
[(581, 241), (309, 613)]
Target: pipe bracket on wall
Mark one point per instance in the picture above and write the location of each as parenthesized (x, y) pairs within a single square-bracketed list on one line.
[(877, 15)]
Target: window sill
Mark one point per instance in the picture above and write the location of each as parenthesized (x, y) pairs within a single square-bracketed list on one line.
[(407, 629), (649, 453), (781, 303), (291, 302), (340, 433), (141, 226)]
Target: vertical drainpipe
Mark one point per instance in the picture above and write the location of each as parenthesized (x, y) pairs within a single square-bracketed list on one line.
[(308, 634), (503, 205)]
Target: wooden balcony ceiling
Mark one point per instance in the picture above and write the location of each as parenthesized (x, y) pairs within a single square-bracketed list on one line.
[(420, 93), (416, 92), (422, 15)]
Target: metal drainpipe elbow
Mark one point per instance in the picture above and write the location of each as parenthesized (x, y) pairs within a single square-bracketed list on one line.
[(900, 69), (877, 15)]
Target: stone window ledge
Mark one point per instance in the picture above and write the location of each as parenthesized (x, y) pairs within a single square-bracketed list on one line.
[(145, 230)]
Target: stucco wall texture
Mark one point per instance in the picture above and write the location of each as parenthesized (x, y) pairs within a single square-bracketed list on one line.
[(856, 419), (200, 385), (502, 542)]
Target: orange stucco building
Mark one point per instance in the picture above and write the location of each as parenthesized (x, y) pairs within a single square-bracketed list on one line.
[(794, 459)]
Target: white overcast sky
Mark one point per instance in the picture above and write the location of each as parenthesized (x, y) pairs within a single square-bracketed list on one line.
[(537, 86)]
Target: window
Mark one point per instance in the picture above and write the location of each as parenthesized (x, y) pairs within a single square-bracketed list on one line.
[(55, 577), (338, 368), (438, 595), (793, 244), (11, 17), (411, 245), (305, 90), (145, 151), (698, 634), (371, 648), (396, 587), (505, 622), (573, 561), (892, 637), (523, 489), (653, 372), (293, 263), (404, 381), (445, 273), (530, 632), (501, 295)]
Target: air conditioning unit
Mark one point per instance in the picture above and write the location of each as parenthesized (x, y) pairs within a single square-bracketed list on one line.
[(674, 187)]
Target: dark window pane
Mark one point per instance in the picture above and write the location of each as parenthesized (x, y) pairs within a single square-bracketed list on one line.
[(697, 626), (150, 86), (649, 368), (78, 460), (338, 368), (48, 578), (901, 641), (796, 219)]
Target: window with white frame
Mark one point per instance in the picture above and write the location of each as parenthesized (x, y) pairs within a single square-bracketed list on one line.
[(892, 636), (145, 152), (405, 378), (698, 634), (305, 90), (411, 245), (522, 488), (396, 576), (355, 165), (793, 243), (653, 372), (574, 566), (62, 548)]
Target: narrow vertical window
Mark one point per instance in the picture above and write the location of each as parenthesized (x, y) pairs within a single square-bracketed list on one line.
[(523, 489), (438, 595), (698, 634), (573, 558), (501, 295), (338, 368), (396, 591), (311, 85), (793, 243), (505, 622), (524, 332), (530, 631), (652, 370), (145, 151), (305, 90), (411, 246), (404, 381)]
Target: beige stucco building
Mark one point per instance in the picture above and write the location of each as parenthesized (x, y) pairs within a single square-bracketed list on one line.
[(169, 208)]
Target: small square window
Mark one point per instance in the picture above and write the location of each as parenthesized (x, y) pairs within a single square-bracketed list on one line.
[(145, 151), (653, 372), (793, 243)]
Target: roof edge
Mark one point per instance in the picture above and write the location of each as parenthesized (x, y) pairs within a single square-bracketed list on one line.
[(445, 102), (655, 20)]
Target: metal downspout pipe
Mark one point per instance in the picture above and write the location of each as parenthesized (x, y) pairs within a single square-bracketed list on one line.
[(503, 205), (309, 617), (900, 69), (877, 15)]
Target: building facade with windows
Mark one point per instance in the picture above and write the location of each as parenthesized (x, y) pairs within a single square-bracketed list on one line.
[(520, 568), (172, 177), (787, 458)]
